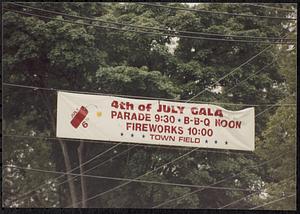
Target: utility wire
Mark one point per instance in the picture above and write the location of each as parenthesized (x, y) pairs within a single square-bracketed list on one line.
[(138, 177), (271, 202), (269, 108), (246, 62), (53, 89), (147, 32), (255, 73), (217, 182), (80, 165), (127, 144), (89, 160), (145, 27), (48, 17), (98, 165), (247, 196), (54, 138), (102, 163), (270, 7), (215, 12), (178, 158), (125, 179), (179, 198), (229, 72), (140, 97), (138, 145), (119, 186)]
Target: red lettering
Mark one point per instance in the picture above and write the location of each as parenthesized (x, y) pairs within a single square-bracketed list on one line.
[(194, 110), (231, 124), (180, 108), (167, 129), (138, 127), (133, 117), (114, 104), (209, 112), (152, 128), (119, 115), (186, 120), (196, 121), (145, 129), (180, 130), (160, 128), (174, 130), (219, 113), (202, 111), (126, 115), (238, 124), (113, 114), (128, 126)]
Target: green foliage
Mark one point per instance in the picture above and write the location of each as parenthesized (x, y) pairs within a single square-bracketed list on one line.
[(49, 53), (134, 81)]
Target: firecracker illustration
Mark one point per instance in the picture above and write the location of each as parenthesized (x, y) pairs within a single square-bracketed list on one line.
[(78, 117)]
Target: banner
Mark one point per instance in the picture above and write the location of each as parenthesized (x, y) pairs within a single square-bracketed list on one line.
[(154, 122)]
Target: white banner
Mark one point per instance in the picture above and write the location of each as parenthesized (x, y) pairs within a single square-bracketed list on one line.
[(155, 122)]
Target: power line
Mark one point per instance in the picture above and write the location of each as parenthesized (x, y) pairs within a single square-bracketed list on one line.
[(140, 97), (80, 165), (269, 108), (127, 144), (255, 73), (270, 7), (192, 98), (102, 163), (98, 165), (126, 179), (147, 32), (217, 182), (145, 27), (138, 177), (215, 12), (121, 185), (271, 202), (63, 182), (247, 196), (117, 187), (34, 136), (40, 186), (138, 145), (226, 75)]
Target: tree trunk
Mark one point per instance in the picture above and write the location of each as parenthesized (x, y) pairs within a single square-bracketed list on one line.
[(65, 154), (81, 156), (69, 177)]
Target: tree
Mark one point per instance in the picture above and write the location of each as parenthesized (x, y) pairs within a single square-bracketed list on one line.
[(280, 138), (40, 51)]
